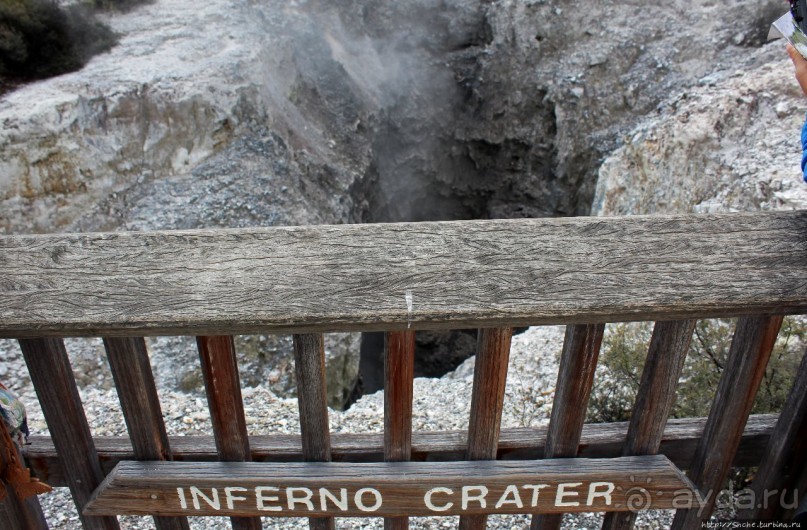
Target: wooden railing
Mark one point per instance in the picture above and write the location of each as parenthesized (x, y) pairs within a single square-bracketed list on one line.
[(398, 278)]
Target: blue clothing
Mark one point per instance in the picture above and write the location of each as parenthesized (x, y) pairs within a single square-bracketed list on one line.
[(804, 151)]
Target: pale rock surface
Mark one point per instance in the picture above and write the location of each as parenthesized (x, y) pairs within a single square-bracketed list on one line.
[(169, 95), (240, 113), (562, 82), (731, 143)]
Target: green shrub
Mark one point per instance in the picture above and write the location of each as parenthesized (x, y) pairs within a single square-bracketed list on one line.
[(625, 349), (619, 371), (623, 356), (704, 365), (782, 368), (38, 39)]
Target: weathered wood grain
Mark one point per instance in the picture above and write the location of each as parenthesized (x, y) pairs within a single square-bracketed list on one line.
[(49, 368), (581, 350), (16, 513), (750, 350), (21, 515), (578, 362), (395, 276), (656, 396), (223, 388), (786, 454), (312, 400), (131, 370), (490, 380), (134, 383), (598, 441), (801, 486), (662, 370), (11, 518), (487, 402), (399, 375), (387, 489)]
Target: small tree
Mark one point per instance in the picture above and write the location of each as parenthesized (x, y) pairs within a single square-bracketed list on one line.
[(625, 349)]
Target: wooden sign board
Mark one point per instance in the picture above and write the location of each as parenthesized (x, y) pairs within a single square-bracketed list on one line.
[(389, 489)]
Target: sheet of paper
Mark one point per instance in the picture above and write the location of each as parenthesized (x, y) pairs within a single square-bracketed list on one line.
[(786, 27)]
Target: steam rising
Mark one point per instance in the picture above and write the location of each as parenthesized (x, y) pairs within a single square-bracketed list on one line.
[(393, 81)]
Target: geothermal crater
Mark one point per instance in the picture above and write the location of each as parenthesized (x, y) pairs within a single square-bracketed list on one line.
[(233, 114)]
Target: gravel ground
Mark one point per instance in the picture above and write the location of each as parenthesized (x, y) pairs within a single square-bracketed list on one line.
[(440, 404)]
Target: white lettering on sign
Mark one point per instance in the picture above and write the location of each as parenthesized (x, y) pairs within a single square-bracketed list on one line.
[(536, 490), (301, 495), (182, 502), (430, 504), (325, 495), (592, 492), (358, 499), (563, 493), (213, 501), (300, 499), (262, 499), (510, 496), (228, 494), (482, 492)]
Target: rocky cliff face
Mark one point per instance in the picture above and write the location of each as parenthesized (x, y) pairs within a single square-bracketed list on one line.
[(148, 109), (731, 143), (561, 82), (243, 113)]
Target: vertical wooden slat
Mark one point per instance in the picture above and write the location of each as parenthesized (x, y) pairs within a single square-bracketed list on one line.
[(490, 379), (786, 454), (220, 371), (17, 513), (665, 361), (581, 350), (750, 350), (55, 385), (800, 484), (312, 398), (399, 374), (131, 370)]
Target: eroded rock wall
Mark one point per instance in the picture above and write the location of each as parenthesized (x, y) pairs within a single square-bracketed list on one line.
[(732, 143), (158, 104), (562, 82), (362, 110)]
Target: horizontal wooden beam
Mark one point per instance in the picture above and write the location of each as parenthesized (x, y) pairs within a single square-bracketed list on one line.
[(389, 489), (396, 276), (598, 441)]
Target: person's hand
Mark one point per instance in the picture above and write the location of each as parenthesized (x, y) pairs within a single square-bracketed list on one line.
[(800, 63)]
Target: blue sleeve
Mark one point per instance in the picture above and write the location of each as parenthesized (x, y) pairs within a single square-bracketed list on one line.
[(804, 151)]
